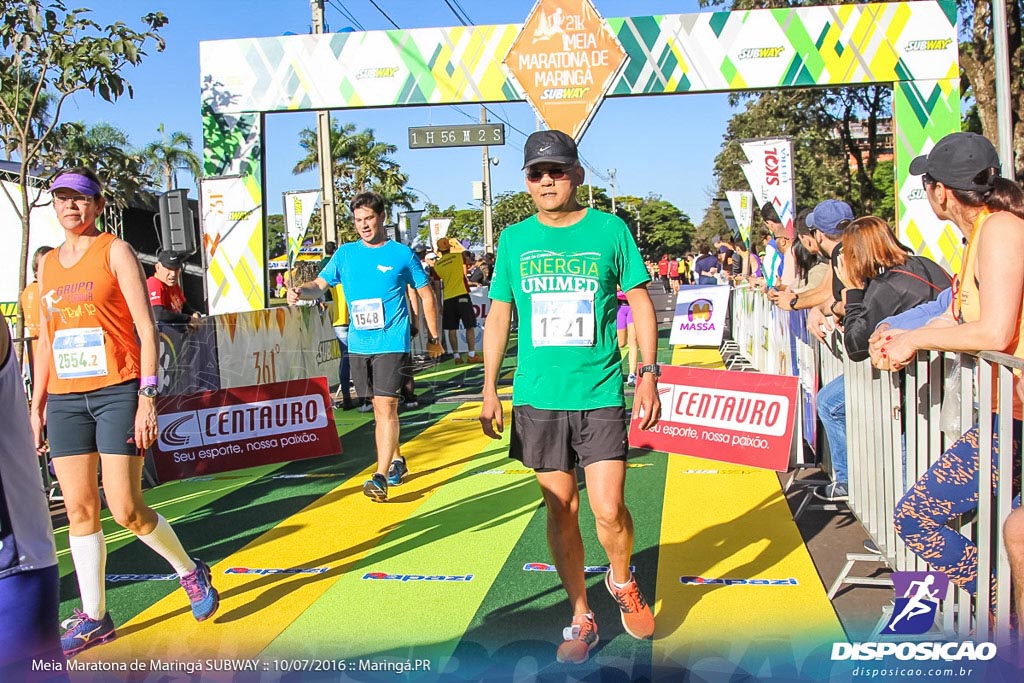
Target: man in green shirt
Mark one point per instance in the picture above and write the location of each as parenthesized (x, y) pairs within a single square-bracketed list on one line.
[(560, 269)]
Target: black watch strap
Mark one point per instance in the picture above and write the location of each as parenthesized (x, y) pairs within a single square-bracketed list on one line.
[(653, 368)]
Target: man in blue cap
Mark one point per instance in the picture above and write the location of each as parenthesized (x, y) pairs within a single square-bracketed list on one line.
[(828, 221)]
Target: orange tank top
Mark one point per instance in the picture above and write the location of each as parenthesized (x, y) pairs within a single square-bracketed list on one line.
[(92, 336), (967, 304)]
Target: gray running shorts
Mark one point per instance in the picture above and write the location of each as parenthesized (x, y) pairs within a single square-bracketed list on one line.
[(381, 374)]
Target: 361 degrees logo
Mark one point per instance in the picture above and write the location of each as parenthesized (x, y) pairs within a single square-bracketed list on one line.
[(917, 600)]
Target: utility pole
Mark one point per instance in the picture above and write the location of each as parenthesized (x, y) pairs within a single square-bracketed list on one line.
[(488, 219), (611, 181), (1003, 104), (328, 222)]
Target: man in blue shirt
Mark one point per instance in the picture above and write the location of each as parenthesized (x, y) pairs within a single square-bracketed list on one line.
[(377, 274)]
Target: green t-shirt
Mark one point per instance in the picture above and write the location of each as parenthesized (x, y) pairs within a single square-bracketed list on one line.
[(563, 283)]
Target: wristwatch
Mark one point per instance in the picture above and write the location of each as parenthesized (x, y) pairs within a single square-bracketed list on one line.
[(149, 392), (433, 340), (653, 368)]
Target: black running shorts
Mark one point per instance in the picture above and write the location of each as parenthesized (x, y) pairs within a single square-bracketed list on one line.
[(381, 374), (547, 440), (100, 421), (458, 309)]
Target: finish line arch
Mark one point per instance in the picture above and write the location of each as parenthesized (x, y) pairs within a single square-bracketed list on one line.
[(910, 45)]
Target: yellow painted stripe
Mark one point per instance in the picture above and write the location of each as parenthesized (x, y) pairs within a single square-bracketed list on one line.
[(744, 530), (335, 531), (468, 528)]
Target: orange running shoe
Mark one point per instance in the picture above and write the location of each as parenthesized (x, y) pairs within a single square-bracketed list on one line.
[(637, 618), (580, 639)]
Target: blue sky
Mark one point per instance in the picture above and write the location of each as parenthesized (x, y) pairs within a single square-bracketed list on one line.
[(664, 145)]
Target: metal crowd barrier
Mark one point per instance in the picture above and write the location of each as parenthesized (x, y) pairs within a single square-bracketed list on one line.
[(892, 414)]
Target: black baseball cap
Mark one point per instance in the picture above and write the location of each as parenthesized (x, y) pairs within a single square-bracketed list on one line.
[(171, 259), (957, 160), (551, 147)]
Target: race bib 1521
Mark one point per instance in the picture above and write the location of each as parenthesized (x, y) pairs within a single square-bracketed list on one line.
[(562, 318)]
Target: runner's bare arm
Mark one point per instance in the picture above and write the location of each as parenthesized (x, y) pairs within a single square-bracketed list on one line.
[(132, 281), (646, 323), (314, 289), (496, 329), (434, 349)]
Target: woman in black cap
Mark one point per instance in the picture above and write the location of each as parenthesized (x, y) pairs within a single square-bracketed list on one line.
[(962, 182)]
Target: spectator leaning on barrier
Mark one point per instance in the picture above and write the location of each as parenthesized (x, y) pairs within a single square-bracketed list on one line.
[(706, 266), (377, 273), (568, 408), (881, 278), (827, 222), (165, 295), (962, 182)]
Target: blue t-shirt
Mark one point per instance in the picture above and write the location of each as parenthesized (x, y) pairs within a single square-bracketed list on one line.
[(375, 279)]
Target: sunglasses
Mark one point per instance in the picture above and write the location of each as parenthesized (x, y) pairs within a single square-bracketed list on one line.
[(926, 180), (535, 176)]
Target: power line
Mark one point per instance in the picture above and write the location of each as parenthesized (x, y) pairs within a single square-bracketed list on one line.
[(345, 13), (463, 10), (385, 15), (463, 21)]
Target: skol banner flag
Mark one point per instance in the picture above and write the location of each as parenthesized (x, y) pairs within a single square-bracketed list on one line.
[(700, 316), (233, 244), (438, 229), (742, 205), (770, 174), (298, 209)]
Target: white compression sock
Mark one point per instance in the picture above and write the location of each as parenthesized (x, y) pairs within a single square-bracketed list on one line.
[(89, 554), (165, 542)]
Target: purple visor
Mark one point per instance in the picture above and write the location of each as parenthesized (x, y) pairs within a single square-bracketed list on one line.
[(78, 182)]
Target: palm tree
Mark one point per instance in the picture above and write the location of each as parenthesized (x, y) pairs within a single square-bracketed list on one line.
[(105, 148), (165, 157)]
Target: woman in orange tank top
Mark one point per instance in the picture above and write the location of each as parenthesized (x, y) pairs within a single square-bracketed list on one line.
[(96, 388), (961, 179)]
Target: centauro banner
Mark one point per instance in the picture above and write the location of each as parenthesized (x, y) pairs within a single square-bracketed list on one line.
[(770, 174), (738, 417), (219, 431)]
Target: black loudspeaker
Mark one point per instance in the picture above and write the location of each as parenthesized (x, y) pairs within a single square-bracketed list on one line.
[(177, 231)]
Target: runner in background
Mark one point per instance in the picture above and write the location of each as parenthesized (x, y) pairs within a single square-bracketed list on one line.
[(376, 272), (568, 405), (457, 307), (341, 324), (29, 301), (88, 369)]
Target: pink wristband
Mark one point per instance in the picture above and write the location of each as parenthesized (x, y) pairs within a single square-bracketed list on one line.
[(150, 381)]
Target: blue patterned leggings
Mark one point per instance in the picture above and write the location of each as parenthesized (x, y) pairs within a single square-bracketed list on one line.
[(950, 488)]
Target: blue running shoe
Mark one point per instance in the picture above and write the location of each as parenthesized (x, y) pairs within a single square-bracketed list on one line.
[(204, 597), (376, 488), (84, 632), (397, 471)]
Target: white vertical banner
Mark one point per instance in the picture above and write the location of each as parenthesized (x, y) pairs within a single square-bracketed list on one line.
[(742, 204), (409, 221), (728, 216), (298, 209), (770, 173), (438, 229), (233, 243)]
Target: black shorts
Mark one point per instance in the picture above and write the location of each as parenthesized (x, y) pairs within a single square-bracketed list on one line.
[(380, 375), (546, 440), (458, 309), (100, 421)]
